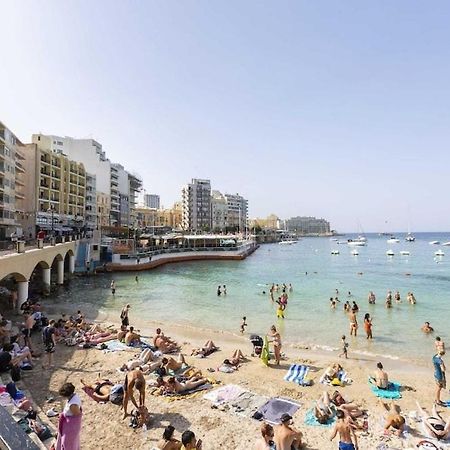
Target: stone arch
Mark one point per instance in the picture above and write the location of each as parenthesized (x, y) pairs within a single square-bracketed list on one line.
[(16, 276), (70, 252), (57, 257)]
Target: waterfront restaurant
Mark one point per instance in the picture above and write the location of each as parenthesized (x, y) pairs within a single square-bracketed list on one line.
[(177, 241)]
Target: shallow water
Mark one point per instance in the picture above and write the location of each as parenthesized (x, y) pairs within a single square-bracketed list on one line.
[(186, 292)]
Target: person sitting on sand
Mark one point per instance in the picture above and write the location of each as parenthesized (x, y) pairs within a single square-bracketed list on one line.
[(132, 338), (347, 436), (287, 437), (168, 442), (164, 343), (266, 441), (394, 419), (190, 442), (204, 351), (324, 409), (332, 372), (440, 346), (350, 409), (427, 328), (7, 358), (435, 426), (380, 378), (133, 379), (101, 389), (176, 387), (232, 364), (175, 365)]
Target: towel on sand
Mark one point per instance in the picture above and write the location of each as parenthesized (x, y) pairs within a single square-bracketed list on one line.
[(297, 374), (224, 394), (392, 392), (115, 346), (274, 408), (310, 419)]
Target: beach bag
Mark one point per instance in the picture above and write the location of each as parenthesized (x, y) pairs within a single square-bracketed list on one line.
[(15, 373), (12, 390), (116, 394)]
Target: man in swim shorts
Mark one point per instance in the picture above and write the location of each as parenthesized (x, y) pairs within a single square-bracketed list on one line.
[(439, 377), (381, 379), (347, 436)]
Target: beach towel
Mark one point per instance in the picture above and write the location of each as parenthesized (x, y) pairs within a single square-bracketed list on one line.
[(310, 419), (69, 428), (265, 354), (247, 404), (392, 392), (273, 409), (297, 374), (224, 394), (115, 346), (341, 376), (89, 392)]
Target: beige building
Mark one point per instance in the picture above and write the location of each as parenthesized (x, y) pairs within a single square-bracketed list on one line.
[(271, 222), (103, 210), (12, 183), (152, 217), (55, 191)]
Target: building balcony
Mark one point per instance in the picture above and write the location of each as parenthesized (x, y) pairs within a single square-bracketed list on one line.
[(44, 160), (19, 167)]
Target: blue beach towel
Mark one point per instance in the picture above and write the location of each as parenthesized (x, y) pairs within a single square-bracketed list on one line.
[(297, 374), (392, 392), (310, 419)]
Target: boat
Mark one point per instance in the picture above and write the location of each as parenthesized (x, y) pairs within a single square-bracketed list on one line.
[(288, 242), (355, 252), (335, 252), (341, 242), (446, 243), (410, 238), (393, 240), (334, 239), (404, 252), (356, 243), (390, 253), (434, 243), (439, 253)]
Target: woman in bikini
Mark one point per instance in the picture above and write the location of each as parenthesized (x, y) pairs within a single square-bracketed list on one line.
[(276, 339), (368, 326), (435, 425)]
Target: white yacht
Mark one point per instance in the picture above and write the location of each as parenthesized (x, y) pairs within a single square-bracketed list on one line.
[(393, 240), (404, 252), (288, 242), (439, 253), (446, 243), (355, 252), (356, 243), (390, 253), (434, 243), (335, 252), (410, 238)]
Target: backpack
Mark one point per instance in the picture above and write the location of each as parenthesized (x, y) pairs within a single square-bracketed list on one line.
[(116, 394)]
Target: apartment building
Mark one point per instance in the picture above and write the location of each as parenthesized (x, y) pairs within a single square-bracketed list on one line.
[(308, 225), (219, 210), (12, 183), (91, 202), (152, 201), (55, 192), (152, 217), (196, 199), (237, 212)]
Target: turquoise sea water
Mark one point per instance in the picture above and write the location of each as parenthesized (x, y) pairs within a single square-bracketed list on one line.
[(186, 293)]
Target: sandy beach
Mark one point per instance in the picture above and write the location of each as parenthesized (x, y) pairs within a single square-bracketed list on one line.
[(103, 427)]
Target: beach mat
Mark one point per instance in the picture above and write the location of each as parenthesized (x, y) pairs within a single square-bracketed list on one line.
[(247, 404), (297, 374), (224, 394), (274, 408), (116, 346), (392, 392), (310, 419)]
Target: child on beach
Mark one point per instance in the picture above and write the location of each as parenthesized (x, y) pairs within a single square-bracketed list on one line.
[(344, 344), (243, 324)]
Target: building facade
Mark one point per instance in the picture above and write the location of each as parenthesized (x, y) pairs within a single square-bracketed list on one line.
[(308, 225), (196, 200), (152, 201), (12, 183), (237, 212), (219, 210), (55, 191), (91, 203)]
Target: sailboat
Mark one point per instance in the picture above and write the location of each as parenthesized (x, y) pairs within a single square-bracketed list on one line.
[(409, 237)]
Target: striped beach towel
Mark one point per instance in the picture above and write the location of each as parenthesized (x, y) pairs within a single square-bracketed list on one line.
[(297, 374)]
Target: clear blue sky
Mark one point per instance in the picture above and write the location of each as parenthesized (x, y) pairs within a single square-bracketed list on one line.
[(334, 109)]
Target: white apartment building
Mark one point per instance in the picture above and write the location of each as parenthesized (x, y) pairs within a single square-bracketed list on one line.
[(237, 212), (219, 210), (196, 200)]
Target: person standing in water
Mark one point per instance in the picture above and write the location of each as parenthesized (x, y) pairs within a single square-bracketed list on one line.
[(243, 324), (113, 287), (344, 344), (218, 291), (353, 323), (368, 326), (224, 290)]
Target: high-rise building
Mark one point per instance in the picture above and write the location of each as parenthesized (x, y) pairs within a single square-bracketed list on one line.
[(12, 183), (237, 212), (219, 210), (152, 201), (91, 203), (134, 187), (308, 225), (55, 192), (196, 198)]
